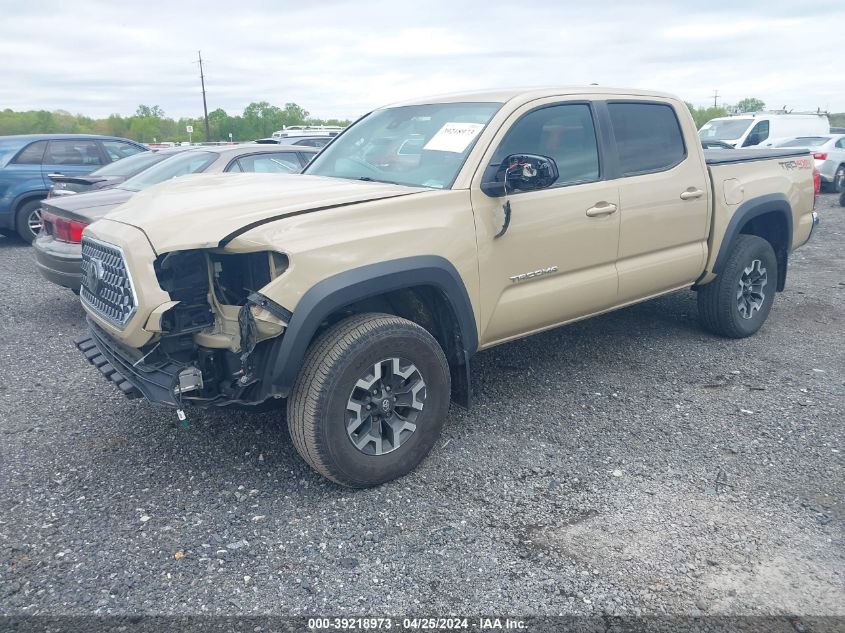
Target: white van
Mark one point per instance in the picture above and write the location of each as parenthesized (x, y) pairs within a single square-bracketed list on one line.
[(763, 128)]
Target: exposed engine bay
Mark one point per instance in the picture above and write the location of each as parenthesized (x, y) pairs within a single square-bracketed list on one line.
[(215, 326)]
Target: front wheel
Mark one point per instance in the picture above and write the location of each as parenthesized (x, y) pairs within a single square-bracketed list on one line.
[(737, 302), (370, 400)]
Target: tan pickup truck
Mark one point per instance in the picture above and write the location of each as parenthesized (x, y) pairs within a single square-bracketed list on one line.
[(357, 293)]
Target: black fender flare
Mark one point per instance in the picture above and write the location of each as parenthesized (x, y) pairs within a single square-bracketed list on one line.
[(748, 210), (350, 286)]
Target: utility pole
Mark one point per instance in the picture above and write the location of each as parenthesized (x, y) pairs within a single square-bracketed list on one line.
[(204, 106), (715, 98)]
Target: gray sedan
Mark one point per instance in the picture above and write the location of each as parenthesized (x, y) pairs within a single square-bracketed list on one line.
[(829, 156), (58, 249)]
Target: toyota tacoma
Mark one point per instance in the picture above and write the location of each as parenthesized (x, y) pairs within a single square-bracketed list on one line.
[(355, 294)]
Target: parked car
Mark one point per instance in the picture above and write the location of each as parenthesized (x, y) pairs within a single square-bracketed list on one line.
[(308, 130), (763, 128), (432, 229), (108, 176), (711, 144), (309, 141), (27, 161), (57, 249), (829, 153)]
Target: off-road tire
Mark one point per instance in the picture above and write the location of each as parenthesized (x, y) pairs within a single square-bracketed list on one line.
[(317, 406), (22, 220), (717, 300)]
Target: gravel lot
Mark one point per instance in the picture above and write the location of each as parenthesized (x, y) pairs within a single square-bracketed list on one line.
[(629, 464)]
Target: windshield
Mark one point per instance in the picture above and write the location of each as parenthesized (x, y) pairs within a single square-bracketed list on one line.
[(724, 129), (131, 165), (419, 145), (178, 165), (806, 141)]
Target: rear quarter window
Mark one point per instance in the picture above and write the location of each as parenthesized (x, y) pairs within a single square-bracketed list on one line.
[(31, 154), (648, 137)]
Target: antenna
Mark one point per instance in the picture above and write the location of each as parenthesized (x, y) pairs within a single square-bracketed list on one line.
[(204, 106)]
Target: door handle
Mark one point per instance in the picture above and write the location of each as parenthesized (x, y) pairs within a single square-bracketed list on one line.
[(691, 195), (56, 174), (601, 209)]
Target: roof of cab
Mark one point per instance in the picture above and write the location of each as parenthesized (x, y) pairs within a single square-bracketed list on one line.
[(529, 94)]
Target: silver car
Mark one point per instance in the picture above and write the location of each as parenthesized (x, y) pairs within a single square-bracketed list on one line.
[(58, 247), (829, 153)]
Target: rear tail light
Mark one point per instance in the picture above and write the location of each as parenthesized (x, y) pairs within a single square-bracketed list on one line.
[(817, 185), (820, 155), (62, 229)]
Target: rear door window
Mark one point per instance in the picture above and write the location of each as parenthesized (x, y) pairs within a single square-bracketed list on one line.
[(73, 152), (648, 137)]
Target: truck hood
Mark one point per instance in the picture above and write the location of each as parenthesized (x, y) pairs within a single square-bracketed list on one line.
[(201, 210)]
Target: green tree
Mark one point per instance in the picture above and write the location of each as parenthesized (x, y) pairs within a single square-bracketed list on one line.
[(149, 111), (703, 115), (259, 119), (750, 104)]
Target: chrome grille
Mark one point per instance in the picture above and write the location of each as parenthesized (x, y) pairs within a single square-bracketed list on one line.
[(106, 284)]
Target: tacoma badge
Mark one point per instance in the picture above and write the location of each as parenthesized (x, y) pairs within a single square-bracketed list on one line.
[(535, 273)]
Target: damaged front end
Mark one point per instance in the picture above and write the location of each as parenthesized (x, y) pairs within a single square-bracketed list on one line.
[(209, 343)]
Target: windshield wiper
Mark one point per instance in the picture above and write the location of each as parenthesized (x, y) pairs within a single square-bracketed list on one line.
[(388, 182)]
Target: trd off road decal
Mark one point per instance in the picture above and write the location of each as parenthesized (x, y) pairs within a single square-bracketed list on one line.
[(798, 163)]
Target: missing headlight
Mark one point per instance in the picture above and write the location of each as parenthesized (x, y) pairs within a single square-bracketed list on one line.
[(236, 276)]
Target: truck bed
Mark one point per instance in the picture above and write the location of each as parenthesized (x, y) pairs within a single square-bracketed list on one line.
[(724, 156)]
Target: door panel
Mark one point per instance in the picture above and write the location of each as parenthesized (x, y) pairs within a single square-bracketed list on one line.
[(664, 202), (555, 262), (71, 158)]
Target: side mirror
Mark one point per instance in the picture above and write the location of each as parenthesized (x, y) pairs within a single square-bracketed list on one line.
[(521, 172)]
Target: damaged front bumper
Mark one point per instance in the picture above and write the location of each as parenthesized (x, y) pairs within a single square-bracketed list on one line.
[(192, 375), (125, 368)]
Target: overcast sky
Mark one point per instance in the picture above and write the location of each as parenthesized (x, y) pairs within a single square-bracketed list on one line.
[(341, 59)]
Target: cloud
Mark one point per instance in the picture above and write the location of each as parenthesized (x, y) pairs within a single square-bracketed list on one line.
[(342, 59)]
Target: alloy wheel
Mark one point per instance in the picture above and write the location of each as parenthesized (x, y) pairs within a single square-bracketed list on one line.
[(384, 406), (34, 221), (750, 295)]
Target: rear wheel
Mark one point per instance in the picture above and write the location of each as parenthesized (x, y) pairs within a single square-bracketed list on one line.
[(370, 400), (838, 184), (737, 302), (29, 220)]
